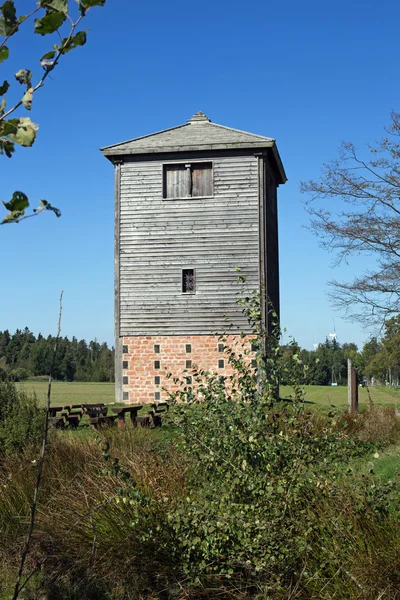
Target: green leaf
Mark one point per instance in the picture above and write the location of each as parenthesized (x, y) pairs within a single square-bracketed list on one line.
[(6, 147), (27, 99), (85, 4), (57, 5), (3, 107), (89, 3), (24, 76), (4, 53), (7, 127), (25, 133), (4, 88), (18, 202), (48, 55), (44, 205), (77, 40), (17, 205), (49, 23), (8, 22), (13, 217)]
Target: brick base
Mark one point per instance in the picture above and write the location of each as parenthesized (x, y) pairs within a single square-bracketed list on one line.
[(149, 357)]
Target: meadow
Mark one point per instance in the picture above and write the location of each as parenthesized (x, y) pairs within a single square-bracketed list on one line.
[(76, 392)]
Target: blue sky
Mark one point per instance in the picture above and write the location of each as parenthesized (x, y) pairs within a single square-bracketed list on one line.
[(310, 74)]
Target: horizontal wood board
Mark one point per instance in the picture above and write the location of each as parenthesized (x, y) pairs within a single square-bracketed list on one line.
[(160, 237)]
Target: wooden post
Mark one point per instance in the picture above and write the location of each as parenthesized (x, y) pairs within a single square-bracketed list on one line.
[(352, 388)]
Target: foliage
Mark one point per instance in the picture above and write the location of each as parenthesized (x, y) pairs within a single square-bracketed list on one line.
[(260, 467), (51, 17), (21, 421), (322, 366), (24, 355), (127, 507), (366, 223), (381, 359)]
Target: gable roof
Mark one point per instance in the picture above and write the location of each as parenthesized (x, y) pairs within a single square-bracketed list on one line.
[(198, 133)]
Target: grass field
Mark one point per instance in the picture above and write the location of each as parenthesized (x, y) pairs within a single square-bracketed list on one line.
[(77, 392), (337, 396), (71, 393)]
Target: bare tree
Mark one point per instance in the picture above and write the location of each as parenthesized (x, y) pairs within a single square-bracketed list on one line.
[(367, 222)]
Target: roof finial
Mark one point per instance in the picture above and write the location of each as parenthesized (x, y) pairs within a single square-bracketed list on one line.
[(199, 116)]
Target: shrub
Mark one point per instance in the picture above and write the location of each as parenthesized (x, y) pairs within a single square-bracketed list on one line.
[(21, 420), (18, 374)]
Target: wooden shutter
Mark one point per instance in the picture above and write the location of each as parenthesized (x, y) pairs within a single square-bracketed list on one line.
[(202, 179), (176, 181)]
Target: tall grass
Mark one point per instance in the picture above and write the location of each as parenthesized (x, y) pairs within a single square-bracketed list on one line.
[(93, 542), (21, 420), (84, 539)]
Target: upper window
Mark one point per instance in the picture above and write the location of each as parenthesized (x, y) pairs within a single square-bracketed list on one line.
[(188, 180)]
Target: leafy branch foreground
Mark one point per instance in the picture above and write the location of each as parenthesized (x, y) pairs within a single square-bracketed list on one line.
[(51, 17), (243, 497)]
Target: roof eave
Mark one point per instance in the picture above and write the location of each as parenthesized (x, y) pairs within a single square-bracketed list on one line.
[(108, 151), (279, 164), (114, 154)]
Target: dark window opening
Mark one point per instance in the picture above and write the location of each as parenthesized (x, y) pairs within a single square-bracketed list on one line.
[(124, 349), (221, 364), (156, 348), (221, 347), (189, 380), (157, 380), (188, 364), (254, 346), (188, 281), (157, 395), (125, 364), (188, 348), (188, 180), (125, 396), (254, 363), (125, 381), (156, 364)]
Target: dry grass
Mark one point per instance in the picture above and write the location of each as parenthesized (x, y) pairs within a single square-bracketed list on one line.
[(378, 423), (83, 535)]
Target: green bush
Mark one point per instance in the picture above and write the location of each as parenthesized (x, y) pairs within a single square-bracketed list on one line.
[(21, 420), (19, 374)]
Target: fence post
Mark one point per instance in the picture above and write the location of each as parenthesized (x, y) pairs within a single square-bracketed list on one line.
[(352, 388)]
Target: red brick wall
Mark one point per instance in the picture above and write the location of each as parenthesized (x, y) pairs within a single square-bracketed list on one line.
[(140, 369)]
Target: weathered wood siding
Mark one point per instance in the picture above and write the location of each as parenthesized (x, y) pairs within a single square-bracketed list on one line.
[(159, 237)]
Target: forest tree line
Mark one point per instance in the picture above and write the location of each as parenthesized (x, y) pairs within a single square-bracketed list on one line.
[(23, 355), (378, 361)]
